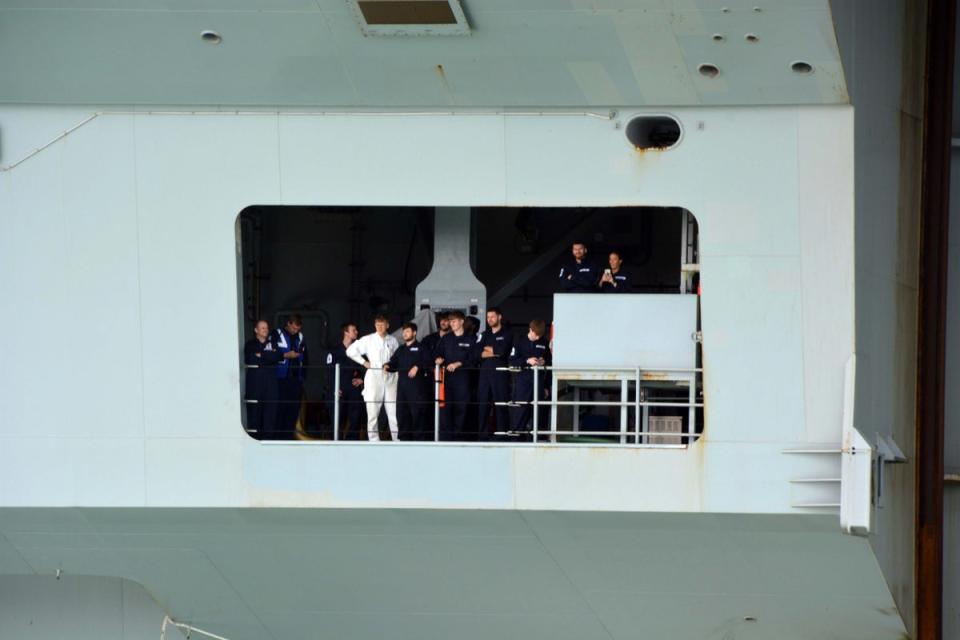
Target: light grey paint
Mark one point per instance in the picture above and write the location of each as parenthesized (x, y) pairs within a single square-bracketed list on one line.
[(451, 283), (42, 607), (282, 574), (127, 228), (880, 48), (312, 53), (655, 329)]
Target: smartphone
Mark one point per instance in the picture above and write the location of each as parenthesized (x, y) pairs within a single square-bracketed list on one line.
[(607, 272)]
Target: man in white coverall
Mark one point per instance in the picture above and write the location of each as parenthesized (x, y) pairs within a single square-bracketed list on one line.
[(379, 387)]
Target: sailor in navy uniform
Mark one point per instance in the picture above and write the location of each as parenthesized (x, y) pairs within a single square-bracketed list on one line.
[(495, 345), (579, 275), (291, 372), (429, 342), (457, 352), (528, 351), (414, 367), (615, 279), (351, 385), (260, 389)]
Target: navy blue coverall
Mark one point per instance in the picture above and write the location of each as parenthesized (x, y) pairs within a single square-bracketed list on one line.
[(290, 376), (352, 406), (494, 385), (523, 349), (453, 348), (413, 393), (430, 342), (261, 385), (622, 281), (579, 277)]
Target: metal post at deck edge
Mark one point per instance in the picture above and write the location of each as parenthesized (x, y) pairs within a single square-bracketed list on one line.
[(636, 408), (436, 403), (932, 317), (336, 402), (536, 405)]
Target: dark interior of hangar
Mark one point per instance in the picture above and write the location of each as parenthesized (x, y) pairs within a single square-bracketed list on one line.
[(332, 265), (352, 263)]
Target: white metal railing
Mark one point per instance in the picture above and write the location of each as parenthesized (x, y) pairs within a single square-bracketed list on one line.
[(189, 628), (641, 406)]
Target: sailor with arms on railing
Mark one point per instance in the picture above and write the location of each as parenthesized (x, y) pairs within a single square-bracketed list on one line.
[(494, 386), (260, 389), (457, 352), (414, 367), (429, 342), (533, 350), (379, 385), (350, 392)]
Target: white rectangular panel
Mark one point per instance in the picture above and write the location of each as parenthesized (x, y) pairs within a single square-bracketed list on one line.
[(624, 330)]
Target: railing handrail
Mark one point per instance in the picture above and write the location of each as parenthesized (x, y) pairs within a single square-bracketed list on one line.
[(536, 402)]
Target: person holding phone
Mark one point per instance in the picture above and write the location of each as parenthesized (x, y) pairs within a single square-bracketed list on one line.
[(614, 278)]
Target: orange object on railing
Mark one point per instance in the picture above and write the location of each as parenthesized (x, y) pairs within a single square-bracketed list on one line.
[(442, 393)]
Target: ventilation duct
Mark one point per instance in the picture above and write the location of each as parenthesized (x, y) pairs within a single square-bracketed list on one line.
[(411, 17)]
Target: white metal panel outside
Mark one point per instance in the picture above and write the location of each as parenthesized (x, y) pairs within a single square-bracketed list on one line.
[(195, 173), (650, 331)]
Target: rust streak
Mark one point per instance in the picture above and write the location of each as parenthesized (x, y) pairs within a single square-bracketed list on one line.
[(446, 85)]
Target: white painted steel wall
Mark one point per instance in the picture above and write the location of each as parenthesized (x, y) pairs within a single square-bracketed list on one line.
[(625, 330), (118, 252)]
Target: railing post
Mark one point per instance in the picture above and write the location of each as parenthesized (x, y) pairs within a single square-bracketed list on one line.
[(336, 401), (436, 403), (624, 407), (636, 406), (692, 410), (536, 404)]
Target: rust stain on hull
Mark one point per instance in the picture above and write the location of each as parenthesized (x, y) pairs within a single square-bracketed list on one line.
[(442, 73)]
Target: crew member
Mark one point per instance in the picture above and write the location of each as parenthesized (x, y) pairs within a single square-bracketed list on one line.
[(457, 352), (413, 366), (372, 351), (579, 275), (351, 384), (260, 391), (471, 325), (430, 342), (529, 351), (291, 372), (471, 328), (615, 279), (495, 346)]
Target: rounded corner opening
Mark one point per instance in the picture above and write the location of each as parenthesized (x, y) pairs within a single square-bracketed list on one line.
[(658, 132)]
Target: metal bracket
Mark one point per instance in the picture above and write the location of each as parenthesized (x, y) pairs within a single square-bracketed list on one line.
[(887, 453)]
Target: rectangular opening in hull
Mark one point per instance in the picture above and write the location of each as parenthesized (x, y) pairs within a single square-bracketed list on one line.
[(335, 269)]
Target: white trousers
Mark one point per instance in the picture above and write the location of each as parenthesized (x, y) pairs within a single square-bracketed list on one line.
[(380, 390)]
